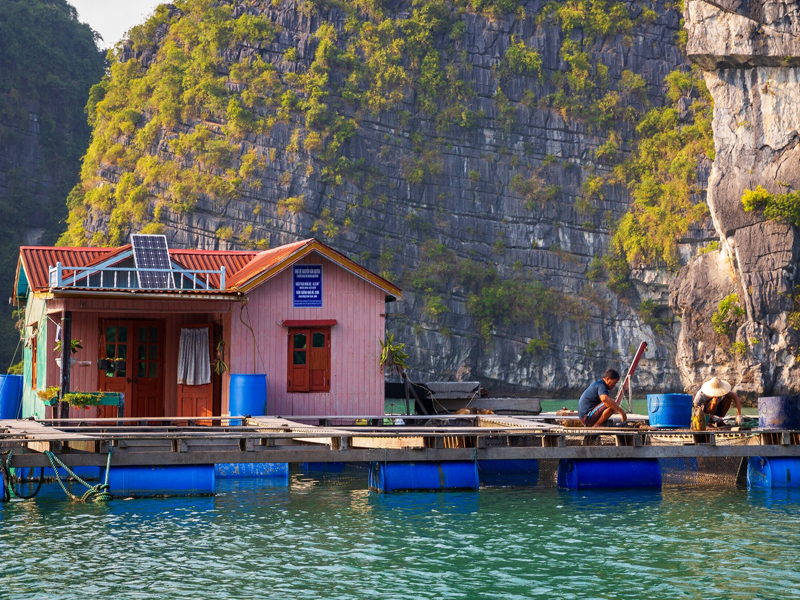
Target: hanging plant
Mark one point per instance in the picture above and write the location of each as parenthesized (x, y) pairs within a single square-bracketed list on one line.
[(74, 346), (219, 361)]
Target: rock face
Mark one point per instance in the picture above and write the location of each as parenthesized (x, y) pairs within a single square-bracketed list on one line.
[(749, 52), (458, 193)]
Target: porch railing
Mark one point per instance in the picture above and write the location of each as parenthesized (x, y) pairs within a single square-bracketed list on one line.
[(118, 278)]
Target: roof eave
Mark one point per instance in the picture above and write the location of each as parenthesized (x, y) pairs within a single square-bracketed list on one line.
[(229, 296), (392, 291)]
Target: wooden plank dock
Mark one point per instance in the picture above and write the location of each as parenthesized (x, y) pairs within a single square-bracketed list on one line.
[(181, 441)]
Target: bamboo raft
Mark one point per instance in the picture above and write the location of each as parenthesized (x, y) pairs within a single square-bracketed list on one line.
[(205, 440)]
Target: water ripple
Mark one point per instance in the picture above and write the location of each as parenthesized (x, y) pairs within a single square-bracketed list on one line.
[(330, 538)]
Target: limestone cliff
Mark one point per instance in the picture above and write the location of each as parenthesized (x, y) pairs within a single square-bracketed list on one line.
[(474, 151), (750, 52)]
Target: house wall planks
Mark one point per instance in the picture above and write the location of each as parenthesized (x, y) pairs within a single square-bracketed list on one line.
[(356, 377)]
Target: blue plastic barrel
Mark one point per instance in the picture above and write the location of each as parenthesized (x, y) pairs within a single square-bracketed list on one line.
[(776, 472), (609, 474), (173, 480), (85, 473), (242, 470), (509, 472), (423, 476), (670, 410), (248, 396), (10, 396), (779, 412)]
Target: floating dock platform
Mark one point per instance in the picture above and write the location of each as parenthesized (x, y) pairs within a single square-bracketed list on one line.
[(323, 439)]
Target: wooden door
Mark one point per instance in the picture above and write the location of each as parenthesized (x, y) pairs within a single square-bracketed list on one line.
[(147, 370), (141, 345), (197, 400)]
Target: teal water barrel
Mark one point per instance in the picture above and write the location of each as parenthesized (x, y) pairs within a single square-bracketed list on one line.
[(173, 480), (776, 472), (10, 396), (248, 396), (509, 472), (237, 470), (423, 476), (609, 474), (779, 412), (670, 410)]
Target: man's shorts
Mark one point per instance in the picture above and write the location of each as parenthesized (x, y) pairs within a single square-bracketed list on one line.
[(585, 419)]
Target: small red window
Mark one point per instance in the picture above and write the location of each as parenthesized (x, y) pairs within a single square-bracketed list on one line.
[(309, 360)]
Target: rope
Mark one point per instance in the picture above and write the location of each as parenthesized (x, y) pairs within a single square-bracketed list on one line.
[(95, 493), (8, 482)]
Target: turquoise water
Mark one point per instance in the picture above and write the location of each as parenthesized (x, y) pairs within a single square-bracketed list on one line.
[(331, 538)]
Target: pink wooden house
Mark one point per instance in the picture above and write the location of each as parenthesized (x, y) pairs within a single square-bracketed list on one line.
[(303, 314)]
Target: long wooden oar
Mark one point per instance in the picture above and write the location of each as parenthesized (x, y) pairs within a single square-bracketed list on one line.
[(626, 381)]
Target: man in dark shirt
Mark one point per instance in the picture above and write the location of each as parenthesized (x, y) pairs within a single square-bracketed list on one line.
[(596, 405)]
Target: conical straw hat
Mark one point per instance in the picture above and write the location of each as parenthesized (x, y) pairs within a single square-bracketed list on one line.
[(715, 387)]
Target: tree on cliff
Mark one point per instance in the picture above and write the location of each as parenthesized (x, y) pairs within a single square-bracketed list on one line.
[(48, 62)]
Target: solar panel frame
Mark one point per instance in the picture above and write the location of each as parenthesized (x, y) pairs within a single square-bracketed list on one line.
[(151, 252)]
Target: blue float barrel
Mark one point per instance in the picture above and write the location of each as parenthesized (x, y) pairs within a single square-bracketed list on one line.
[(670, 410), (10, 396), (609, 474), (509, 472), (173, 480), (779, 412), (430, 476), (248, 396), (776, 472), (247, 470)]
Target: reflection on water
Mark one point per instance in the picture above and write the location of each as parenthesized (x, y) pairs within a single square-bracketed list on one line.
[(323, 535)]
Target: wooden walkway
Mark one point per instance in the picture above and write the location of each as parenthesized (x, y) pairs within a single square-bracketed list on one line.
[(171, 441)]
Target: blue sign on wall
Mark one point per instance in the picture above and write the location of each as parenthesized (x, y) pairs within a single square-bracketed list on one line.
[(307, 286)]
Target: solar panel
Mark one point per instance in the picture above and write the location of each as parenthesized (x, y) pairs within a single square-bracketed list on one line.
[(150, 252)]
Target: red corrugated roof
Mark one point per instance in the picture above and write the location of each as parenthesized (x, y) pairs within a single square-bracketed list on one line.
[(265, 260), (244, 270), (38, 259), (202, 260)]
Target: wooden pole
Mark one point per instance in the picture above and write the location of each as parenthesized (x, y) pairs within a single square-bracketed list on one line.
[(66, 355)]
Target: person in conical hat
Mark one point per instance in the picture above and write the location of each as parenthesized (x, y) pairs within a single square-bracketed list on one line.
[(715, 398)]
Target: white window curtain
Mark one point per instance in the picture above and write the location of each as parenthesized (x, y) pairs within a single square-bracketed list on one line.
[(194, 360)]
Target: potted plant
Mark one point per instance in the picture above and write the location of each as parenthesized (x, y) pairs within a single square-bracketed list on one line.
[(103, 364), (74, 346), (82, 399), (49, 395), (119, 364)]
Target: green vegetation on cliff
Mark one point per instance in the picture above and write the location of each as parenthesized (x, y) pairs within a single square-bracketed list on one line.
[(662, 174), (48, 62), (777, 207)]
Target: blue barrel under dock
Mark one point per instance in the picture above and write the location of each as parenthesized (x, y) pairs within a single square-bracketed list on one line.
[(177, 480), (609, 474), (423, 476)]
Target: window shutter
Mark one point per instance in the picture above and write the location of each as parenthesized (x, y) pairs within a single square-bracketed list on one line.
[(320, 360), (298, 360)]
